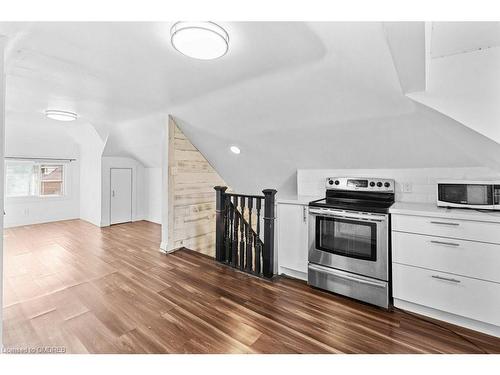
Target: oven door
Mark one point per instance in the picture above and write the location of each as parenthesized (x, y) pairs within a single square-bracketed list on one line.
[(350, 241)]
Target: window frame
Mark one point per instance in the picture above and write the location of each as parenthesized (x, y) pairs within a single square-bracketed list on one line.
[(37, 196), (40, 181)]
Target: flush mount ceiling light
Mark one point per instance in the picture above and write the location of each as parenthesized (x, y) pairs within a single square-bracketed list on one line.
[(58, 115), (200, 40), (235, 150)]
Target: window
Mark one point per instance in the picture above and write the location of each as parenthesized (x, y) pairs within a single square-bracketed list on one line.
[(51, 179), (30, 178)]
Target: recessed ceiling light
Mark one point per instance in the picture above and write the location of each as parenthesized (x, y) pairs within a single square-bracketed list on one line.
[(235, 149), (58, 115), (200, 40)]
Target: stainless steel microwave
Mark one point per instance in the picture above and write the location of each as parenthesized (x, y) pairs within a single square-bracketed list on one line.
[(469, 194)]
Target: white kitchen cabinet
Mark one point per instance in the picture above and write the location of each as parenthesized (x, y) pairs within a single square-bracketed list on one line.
[(292, 239), (447, 267), (479, 260), (448, 227), (458, 295)]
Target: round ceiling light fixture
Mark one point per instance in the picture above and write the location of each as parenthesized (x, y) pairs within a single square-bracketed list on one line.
[(58, 115), (235, 149), (200, 40)]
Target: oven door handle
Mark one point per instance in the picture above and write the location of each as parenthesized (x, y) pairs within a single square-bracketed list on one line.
[(347, 216), (347, 276)]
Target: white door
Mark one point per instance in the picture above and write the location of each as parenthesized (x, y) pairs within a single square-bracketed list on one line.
[(121, 195), (292, 239)]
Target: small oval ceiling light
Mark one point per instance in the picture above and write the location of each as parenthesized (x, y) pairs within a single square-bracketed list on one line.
[(58, 115), (235, 150), (200, 40)]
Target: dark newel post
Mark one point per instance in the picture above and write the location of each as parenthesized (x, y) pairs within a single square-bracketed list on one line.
[(268, 253), (220, 205)]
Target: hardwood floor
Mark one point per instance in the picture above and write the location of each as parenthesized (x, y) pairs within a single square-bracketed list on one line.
[(110, 290)]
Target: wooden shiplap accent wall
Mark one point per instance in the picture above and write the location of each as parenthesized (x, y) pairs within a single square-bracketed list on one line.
[(191, 195)]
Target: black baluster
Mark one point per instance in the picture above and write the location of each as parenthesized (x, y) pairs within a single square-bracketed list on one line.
[(234, 258), (249, 260), (227, 237), (257, 239), (242, 233)]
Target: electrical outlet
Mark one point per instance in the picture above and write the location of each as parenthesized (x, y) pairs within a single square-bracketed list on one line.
[(407, 188)]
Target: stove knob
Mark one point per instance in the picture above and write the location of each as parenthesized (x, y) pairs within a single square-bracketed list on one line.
[(337, 182), (372, 184), (379, 184), (387, 184), (330, 182)]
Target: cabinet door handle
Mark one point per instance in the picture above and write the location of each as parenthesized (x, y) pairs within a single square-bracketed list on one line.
[(304, 214), (445, 243), (444, 223), (445, 278)]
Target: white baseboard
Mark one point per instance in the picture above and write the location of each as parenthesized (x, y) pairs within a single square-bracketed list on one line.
[(35, 222), (292, 273), (458, 320), (165, 248)]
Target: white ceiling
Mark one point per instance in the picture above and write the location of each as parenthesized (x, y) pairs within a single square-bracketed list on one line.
[(406, 42), (290, 94), (112, 72), (450, 38), (464, 74), (117, 73)]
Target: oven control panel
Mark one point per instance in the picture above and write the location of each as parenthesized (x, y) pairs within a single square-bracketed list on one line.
[(361, 184)]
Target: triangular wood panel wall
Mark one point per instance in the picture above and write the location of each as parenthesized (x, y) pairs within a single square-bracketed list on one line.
[(191, 195)]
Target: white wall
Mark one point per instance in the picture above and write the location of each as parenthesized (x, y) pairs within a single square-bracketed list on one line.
[(164, 190), (91, 148), (34, 136), (35, 210), (2, 143), (422, 181), (153, 194), (138, 187)]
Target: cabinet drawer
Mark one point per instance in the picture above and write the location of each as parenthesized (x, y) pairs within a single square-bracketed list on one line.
[(471, 298), (466, 258), (453, 228)]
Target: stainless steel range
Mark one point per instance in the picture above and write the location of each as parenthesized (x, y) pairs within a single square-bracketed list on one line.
[(349, 234)]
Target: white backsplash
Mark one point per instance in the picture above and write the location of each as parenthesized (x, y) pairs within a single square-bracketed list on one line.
[(311, 182)]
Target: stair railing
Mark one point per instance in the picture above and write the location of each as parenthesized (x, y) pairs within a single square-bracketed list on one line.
[(238, 237)]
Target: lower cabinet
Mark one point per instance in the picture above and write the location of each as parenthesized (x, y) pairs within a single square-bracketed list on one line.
[(449, 274), (292, 239), (464, 296)]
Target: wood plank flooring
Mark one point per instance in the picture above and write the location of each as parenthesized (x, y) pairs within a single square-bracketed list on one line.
[(110, 290)]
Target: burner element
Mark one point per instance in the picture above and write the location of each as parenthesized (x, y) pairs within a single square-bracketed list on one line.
[(358, 194)]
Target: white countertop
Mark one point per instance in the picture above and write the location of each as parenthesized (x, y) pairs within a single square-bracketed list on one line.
[(430, 209), (301, 199)]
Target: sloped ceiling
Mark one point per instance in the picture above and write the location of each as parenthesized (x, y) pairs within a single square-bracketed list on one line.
[(451, 38), (290, 95), (406, 42), (464, 73)]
